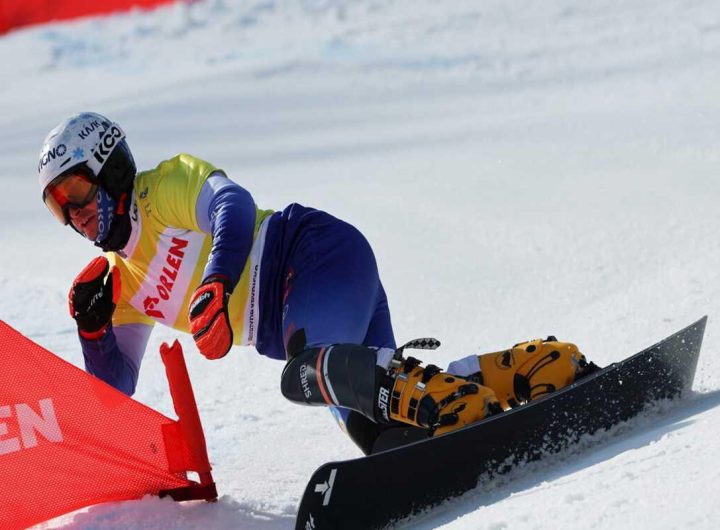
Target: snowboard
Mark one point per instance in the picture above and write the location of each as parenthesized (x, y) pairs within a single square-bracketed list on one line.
[(409, 472)]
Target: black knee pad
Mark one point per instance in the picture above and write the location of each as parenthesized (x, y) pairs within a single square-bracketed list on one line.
[(342, 375)]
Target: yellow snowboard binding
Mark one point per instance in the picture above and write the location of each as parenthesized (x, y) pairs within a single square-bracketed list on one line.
[(430, 398), (531, 369)]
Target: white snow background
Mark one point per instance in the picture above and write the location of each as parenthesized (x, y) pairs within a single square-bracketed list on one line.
[(522, 168)]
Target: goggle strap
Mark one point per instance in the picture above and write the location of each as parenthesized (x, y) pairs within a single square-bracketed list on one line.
[(112, 136)]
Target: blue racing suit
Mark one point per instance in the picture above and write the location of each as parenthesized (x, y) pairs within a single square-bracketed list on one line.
[(317, 273)]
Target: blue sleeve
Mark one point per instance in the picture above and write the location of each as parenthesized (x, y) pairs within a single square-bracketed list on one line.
[(226, 211), (116, 357)]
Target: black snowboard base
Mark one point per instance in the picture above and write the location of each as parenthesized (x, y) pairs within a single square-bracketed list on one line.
[(409, 472)]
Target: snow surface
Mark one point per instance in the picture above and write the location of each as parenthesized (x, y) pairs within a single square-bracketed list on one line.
[(521, 168)]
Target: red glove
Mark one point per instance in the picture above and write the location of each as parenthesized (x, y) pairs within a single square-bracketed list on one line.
[(209, 320), (93, 296)]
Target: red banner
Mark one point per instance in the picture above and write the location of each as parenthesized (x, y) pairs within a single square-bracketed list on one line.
[(68, 440), (16, 13)]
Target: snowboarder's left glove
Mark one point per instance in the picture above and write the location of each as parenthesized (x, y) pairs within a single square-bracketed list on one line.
[(93, 296), (209, 318)]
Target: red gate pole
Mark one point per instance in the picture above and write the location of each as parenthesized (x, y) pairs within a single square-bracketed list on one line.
[(189, 424)]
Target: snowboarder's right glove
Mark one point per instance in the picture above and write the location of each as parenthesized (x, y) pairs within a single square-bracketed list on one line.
[(209, 318), (93, 296)]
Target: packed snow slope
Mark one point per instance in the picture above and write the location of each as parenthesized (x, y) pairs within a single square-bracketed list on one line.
[(521, 168)]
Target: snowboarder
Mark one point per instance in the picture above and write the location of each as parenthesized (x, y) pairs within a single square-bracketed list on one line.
[(188, 248)]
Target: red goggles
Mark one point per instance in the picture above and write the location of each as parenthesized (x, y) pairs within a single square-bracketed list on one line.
[(74, 190)]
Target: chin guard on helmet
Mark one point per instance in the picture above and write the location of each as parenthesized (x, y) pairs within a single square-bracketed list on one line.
[(120, 227)]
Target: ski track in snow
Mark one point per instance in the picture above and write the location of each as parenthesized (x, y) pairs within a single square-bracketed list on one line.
[(521, 169)]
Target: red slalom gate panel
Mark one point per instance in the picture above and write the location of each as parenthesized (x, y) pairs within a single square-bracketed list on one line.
[(68, 440), (16, 13)]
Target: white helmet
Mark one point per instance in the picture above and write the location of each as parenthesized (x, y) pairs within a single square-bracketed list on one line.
[(94, 142)]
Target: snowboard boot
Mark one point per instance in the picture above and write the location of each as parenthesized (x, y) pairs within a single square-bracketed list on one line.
[(385, 387), (528, 370), (432, 399)]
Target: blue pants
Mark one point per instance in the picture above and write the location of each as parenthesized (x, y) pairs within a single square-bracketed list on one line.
[(319, 274)]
